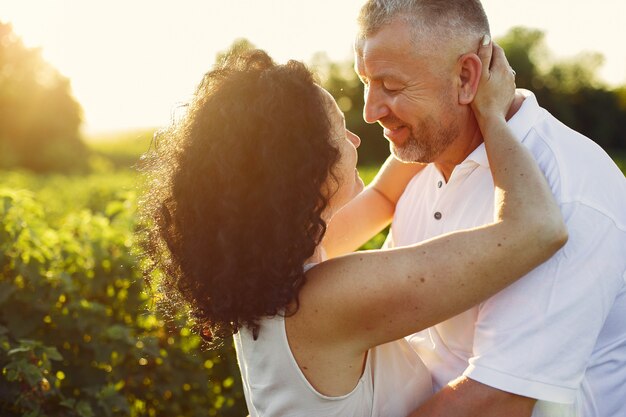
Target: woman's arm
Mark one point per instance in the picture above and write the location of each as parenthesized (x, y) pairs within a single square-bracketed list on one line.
[(370, 211), (365, 299)]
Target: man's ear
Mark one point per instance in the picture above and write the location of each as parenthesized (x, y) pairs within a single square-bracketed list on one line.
[(469, 69)]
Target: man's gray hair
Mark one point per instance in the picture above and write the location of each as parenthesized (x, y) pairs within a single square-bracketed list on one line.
[(446, 18)]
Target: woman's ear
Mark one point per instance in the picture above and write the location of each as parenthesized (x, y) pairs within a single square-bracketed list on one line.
[(469, 69)]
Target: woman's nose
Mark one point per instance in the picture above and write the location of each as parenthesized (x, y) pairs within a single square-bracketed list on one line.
[(356, 141)]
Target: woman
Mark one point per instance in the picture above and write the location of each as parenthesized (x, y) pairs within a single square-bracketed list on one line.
[(242, 193)]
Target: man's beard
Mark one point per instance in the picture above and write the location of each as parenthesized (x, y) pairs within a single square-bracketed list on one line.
[(427, 141)]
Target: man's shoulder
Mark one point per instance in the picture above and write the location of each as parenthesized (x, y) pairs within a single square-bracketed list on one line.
[(553, 143), (577, 168), (550, 139)]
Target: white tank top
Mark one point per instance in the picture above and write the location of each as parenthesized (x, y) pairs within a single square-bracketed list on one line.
[(394, 383)]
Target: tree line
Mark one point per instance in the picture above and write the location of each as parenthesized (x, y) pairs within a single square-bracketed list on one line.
[(40, 119)]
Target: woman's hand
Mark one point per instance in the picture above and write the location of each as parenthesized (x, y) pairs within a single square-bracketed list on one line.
[(496, 89)]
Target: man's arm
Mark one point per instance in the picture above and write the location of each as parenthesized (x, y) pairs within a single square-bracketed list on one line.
[(464, 397)]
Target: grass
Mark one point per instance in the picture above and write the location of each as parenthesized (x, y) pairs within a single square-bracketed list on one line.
[(122, 149)]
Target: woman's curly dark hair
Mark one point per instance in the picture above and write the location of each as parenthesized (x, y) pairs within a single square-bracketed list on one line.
[(236, 193)]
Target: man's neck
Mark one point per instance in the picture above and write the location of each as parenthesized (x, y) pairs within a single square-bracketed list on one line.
[(458, 151), (466, 143)]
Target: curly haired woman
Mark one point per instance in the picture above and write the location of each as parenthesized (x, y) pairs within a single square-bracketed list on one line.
[(243, 191)]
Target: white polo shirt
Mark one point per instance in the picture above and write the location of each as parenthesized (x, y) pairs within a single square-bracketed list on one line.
[(559, 333)]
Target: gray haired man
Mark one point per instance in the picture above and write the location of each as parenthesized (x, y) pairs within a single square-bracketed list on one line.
[(554, 343)]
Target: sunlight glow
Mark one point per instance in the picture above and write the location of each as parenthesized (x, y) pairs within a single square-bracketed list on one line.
[(131, 62)]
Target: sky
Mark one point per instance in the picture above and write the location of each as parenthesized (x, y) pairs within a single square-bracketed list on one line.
[(131, 62)]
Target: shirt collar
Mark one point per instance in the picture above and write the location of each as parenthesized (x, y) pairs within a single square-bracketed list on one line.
[(520, 124)]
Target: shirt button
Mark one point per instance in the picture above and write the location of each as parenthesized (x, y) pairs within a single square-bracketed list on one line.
[(440, 184), (438, 216)]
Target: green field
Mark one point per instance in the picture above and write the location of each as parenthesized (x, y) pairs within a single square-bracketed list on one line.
[(86, 341), (122, 150), (79, 336)]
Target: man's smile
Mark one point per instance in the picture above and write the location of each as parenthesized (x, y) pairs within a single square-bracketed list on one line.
[(398, 135)]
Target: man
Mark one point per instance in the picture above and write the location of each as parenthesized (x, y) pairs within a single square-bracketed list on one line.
[(554, 343)]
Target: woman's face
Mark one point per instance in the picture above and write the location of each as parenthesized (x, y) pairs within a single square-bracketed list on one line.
[(348, 183)]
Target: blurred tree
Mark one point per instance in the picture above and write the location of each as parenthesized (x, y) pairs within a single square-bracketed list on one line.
[(525, 50), (573, 74), (569, 89), (238, 46), (39, 118)]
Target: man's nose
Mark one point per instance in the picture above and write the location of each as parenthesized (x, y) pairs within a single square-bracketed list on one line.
[(375, 107)]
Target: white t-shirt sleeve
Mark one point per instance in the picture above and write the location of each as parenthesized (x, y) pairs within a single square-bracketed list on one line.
[(535, 337)]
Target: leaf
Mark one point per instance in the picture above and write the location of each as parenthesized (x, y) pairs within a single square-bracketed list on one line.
[(26, 345), (118, 332), (83, 408), (32, 374), (12, 375), (114, 208), (19, 350), (68, 402), (53, 354)]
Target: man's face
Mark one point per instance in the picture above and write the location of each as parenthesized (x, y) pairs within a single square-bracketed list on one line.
[(412, 96)]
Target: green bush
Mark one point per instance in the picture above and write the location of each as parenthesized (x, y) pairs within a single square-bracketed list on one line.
[(78, 336)]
